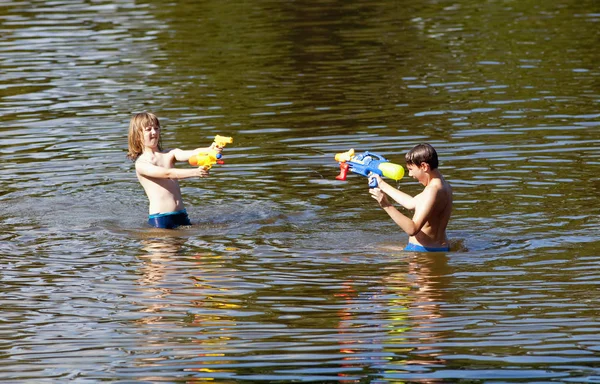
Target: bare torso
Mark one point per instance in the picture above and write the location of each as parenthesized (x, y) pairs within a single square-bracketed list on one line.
[(164, 195)]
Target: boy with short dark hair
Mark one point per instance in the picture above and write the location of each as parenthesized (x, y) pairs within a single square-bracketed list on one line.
[(432, 207)]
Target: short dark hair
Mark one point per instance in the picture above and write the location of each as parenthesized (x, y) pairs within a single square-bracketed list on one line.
[(422, 153)]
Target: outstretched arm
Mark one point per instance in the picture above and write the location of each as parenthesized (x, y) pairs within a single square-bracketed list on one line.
[(150, 170), (184, 155)]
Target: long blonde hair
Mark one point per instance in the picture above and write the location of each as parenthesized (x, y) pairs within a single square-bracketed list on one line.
[(136, 135)]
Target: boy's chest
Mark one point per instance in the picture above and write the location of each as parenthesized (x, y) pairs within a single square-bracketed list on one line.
[(164, 160)]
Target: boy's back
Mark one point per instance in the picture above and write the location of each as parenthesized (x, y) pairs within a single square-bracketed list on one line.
[(433, 232)]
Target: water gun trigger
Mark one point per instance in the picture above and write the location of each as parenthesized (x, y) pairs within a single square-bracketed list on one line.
[(372, 181), (344, 167)]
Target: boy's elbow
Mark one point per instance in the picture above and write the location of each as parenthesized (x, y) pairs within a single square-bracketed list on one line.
[(171, 174), (413, 230), (412, 233)]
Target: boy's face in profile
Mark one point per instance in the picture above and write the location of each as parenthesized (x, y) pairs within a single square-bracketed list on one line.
[(417, 172)]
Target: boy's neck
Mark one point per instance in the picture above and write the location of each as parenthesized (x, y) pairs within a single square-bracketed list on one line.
[(432, 175), (150, 150)]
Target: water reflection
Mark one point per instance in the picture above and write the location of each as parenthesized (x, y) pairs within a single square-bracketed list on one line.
[(383, 324), (160, 253), (426, 289)]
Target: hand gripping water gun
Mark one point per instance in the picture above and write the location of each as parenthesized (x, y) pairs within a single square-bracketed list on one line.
[(367, 163), (208, 158)]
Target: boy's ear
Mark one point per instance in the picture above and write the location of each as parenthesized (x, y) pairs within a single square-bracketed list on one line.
[(425, 167)]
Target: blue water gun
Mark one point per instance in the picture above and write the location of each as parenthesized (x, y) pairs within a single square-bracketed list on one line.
[(367, 163)]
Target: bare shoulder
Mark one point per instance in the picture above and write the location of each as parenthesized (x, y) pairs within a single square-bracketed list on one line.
[(434, 187), (143, 159), (427, 196), (446, 187), (443, 193), (439, 191), (143, 165)]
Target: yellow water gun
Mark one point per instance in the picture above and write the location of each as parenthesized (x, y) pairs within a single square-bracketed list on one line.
[(208, 158), (221, 141)]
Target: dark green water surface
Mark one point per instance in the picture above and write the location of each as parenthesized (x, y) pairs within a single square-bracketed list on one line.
[(288, 274)]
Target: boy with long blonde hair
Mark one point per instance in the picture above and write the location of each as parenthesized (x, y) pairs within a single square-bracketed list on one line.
[(156, 172)]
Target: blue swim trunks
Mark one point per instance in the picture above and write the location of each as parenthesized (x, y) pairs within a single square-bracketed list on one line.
[(419, 248), (169, 220)]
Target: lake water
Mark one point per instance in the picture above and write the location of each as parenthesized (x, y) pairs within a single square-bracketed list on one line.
[(289, 274)]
